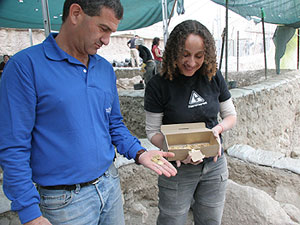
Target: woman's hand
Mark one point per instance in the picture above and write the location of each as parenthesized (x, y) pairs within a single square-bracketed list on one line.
[(188, 160), (216, 131)]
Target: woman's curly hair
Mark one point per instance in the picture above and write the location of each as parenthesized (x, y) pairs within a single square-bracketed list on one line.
[(175, 47)]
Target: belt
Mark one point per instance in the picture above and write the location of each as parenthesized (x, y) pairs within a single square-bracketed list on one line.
[(71, 187)]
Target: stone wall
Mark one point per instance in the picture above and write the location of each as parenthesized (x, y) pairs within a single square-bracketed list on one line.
[(14, 40), (128, 72), (268, 114)]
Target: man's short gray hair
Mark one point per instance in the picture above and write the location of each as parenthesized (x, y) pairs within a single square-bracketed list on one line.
[(93, 7)]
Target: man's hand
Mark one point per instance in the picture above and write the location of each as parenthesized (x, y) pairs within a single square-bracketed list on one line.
[(38, 221), (155, 161)]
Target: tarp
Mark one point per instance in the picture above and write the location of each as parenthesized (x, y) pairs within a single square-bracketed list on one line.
[(143, 13), (28, 13), (284, 12)]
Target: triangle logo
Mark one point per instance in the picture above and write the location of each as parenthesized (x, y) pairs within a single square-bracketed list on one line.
[(195, 98)]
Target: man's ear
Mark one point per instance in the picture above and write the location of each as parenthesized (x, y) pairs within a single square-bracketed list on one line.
[(75, 13)]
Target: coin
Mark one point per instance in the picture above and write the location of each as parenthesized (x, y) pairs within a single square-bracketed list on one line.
[(157, 159)]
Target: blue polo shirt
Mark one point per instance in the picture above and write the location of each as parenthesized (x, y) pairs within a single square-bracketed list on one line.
[(59, 123)]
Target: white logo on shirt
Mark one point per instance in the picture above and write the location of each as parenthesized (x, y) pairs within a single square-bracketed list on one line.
[(196, 100), (108, 110)]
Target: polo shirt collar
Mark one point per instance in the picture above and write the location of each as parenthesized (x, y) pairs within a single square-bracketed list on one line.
[(54, 52)]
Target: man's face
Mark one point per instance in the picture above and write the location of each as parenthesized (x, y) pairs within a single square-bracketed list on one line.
[(95, 31)]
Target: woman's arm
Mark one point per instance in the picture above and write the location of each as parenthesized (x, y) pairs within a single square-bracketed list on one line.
[(157, 52), (228, 115), (153, 123)]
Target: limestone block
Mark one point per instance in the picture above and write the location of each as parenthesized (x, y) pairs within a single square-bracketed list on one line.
[(4, 221), (293, 212), (128, 72), (128, 83), (288, 163), (258, 156), (4, 202), (284, 192), (248, 205)]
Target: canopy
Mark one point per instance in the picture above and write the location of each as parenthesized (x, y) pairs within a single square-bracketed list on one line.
[(29, 13), (284, 12), (138, 13)]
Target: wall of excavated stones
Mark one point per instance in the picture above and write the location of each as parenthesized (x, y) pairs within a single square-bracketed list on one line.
[(14, 40), (268, 115)]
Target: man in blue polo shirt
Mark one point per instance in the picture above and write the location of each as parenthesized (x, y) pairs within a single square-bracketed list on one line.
[(60, 123)]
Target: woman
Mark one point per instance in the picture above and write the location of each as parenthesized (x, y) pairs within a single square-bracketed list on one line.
[(2, 64), (157, 54), (190, 89)]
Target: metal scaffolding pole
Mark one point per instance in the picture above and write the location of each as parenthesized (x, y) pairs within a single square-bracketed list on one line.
[(30, 36), (237, 50), (226, 44), (297, 49), (46, 17), (264, 40), (164, 6)]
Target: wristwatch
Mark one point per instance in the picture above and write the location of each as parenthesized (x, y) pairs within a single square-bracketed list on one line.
[(138, 154)]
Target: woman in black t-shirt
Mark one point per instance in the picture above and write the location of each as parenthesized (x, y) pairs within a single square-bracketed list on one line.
[(189, 90)]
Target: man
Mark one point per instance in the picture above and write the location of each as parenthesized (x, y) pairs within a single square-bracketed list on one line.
[(148, 62), (133, 52), (60, 121)]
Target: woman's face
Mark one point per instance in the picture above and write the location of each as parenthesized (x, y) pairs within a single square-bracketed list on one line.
[(5, 59), (193, 55)]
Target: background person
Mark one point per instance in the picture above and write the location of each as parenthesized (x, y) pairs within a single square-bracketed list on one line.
[(157, 53), (2, 64), (64, 123), (148, 61), (190, 89), (133, 51)]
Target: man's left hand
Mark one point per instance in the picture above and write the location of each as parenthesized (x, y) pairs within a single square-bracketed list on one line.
[(155, 161)]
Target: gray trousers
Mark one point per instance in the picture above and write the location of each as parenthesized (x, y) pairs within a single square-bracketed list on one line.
[(150, 71), (202, 187)]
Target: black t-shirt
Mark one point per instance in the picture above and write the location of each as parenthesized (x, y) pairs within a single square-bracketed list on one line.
[(187, 99), (144, 53), (2, 64)]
